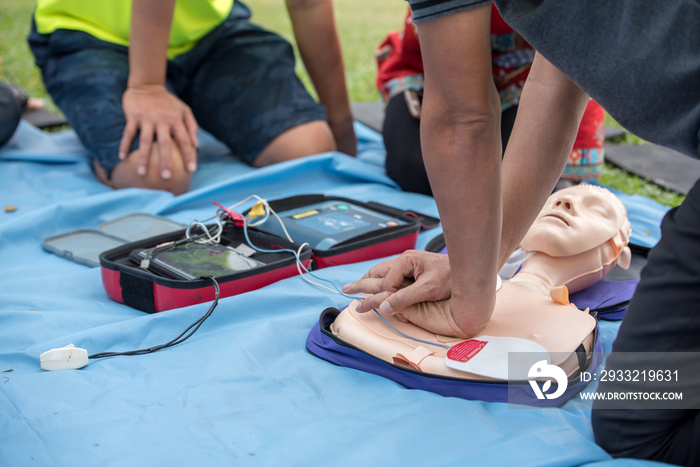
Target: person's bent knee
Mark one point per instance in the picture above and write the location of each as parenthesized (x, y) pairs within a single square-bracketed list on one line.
[(125, 175), (300, 141)]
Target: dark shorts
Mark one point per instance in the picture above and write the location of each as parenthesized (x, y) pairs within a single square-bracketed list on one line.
[(239, 81)]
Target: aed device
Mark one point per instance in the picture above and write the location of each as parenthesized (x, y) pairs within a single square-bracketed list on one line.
[(340, 230), (323, 225), (169, 271), (165, 272)]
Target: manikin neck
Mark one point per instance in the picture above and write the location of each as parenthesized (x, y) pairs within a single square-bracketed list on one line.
[(542, 272)]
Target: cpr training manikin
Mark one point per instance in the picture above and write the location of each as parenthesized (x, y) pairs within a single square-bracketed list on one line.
[(579, 236)]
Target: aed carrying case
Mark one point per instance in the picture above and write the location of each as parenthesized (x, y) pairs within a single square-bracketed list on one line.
[(156, 289), (341, 230)]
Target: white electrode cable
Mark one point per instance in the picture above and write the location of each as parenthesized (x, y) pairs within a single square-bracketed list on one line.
[(73, 358)]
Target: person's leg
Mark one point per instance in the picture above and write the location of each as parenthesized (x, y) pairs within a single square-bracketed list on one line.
[(244, 91), (86, 78), (662, 321), (10, 113), (125, 175), (302, 140), (404, 158)]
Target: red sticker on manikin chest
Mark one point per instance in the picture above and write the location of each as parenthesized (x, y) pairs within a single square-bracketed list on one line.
[(466, 350)]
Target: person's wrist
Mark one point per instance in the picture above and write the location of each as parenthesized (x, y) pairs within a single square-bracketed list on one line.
[(469, 314), (145, 86), (340, 118), (140, 77)]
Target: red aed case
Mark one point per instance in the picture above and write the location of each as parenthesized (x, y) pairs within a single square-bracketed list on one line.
[(342, 231), (338, 230), (155, 289)]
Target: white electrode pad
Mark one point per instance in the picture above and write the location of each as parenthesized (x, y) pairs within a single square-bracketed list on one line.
[(488, 356)]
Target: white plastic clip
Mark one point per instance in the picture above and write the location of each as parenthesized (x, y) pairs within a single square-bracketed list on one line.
[(69, 357)]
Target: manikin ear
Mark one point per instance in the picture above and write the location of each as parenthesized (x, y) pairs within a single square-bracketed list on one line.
[(625, 258)]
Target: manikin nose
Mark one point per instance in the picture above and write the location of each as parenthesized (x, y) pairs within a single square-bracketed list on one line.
[(567, 204)]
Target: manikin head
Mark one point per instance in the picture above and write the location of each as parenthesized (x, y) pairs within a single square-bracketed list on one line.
[(585, 229), (578, 219)]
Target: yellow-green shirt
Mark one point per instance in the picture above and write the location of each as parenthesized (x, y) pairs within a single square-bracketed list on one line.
[(110, 20)]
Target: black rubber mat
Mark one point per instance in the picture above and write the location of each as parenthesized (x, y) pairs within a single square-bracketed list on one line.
[(369, 113), (43, 118), (665, 167)]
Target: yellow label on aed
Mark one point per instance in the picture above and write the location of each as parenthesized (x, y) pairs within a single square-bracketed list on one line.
[(305, 214)]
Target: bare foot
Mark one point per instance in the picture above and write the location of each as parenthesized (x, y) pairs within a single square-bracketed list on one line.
[(35, 103)]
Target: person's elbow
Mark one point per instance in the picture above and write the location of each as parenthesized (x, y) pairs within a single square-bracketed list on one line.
[(462, 114), (468, 125)]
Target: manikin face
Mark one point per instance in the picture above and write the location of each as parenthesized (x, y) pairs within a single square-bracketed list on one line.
[(574, 220)]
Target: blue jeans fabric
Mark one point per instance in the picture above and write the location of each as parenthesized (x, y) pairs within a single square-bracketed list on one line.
[(239, 81)]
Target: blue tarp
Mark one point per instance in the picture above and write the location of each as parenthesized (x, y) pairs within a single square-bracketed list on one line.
[(243, 390)]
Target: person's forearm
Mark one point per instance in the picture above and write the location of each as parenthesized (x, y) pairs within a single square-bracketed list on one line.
[(148, 41), (550, 110), (463, 163), (165, 126), (460, 139), (317, 38)]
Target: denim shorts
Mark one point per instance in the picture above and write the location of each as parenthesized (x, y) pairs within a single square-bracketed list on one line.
[(239, 81)]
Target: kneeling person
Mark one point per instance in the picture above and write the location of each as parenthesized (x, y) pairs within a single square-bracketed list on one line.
[(137, 79)]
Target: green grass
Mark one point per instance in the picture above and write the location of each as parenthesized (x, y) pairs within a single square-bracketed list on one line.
[(17, 61), (627, 183), (362, 25)]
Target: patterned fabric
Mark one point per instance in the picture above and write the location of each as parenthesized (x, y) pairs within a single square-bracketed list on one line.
[(584, 164), (399, 62), (510, 96), (397, 86), (515, 59), (503, 42)]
